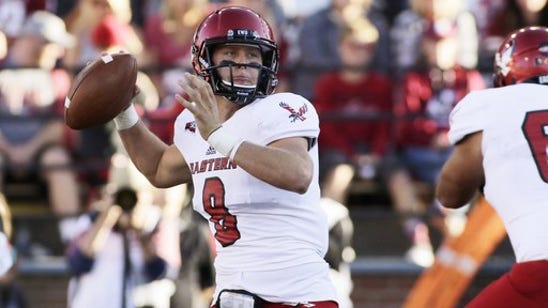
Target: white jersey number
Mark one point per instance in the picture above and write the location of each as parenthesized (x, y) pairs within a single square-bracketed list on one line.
[(226, 224), (535, 129)]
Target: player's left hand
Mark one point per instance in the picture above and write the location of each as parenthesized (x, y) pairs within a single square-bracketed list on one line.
[(201, 102)]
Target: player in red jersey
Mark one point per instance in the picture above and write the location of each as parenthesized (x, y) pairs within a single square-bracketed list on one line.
[(501, 143)]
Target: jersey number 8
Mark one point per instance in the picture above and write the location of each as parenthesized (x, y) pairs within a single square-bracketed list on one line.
[(226, 224)]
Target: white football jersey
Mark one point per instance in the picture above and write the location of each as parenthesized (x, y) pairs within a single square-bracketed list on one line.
[(260, 230), (514, 121)]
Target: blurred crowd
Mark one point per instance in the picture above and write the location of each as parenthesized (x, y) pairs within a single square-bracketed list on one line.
[(383, 75)]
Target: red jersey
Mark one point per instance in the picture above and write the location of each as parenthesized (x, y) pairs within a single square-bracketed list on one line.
[(370, 96), (425, 106)]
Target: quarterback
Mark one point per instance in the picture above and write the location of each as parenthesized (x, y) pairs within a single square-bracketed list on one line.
[(252, 157)]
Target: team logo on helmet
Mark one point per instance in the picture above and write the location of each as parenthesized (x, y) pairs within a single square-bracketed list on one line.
[(522, 57), (242, 33), (503, 59)]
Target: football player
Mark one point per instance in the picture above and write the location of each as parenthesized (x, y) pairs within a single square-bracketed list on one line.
[(252, 157), (501, 138)]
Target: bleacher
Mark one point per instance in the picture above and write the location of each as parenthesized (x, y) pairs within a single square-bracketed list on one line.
[(381, 275)]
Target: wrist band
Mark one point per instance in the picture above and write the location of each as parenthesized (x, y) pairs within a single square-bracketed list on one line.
[(127, 118), (235, 149), (223, 141), (214, 130)]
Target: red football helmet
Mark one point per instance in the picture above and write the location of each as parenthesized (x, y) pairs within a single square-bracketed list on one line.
[(522, 57), (235, 25)]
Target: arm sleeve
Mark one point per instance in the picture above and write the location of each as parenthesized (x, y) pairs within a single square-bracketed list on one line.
[(468, 116), (290, 116), (78, 263)]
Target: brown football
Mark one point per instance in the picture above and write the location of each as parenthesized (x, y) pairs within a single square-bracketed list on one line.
[(101, 90)]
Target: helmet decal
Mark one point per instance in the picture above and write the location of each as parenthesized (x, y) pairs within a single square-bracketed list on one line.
[(243, 33), (503, 59), (203, 62)]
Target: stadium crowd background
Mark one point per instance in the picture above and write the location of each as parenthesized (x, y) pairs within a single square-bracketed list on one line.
[(383, 75)]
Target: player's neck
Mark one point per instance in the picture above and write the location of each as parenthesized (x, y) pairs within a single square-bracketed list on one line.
[(226, 107)]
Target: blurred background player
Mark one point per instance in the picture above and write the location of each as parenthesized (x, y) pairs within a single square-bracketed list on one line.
[(340, 252), (500, 149), (195, 283)]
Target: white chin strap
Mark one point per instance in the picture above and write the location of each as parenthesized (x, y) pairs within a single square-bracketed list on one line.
[(237, 85)]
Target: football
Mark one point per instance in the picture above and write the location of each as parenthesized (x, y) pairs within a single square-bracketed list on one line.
[(102, 89)]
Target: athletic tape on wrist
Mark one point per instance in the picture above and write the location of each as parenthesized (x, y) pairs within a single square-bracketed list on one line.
[(126, 118), (235, 149), (223, 141)]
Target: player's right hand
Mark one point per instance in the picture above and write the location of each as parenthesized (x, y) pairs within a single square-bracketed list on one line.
[(201, 102)]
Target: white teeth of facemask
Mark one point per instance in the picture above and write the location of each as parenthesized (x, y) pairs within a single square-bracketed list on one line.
[(238, 85)]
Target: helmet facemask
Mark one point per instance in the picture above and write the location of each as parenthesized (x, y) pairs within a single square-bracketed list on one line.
[(239, 94)]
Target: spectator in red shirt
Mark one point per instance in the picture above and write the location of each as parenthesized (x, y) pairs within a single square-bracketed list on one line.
[(428, 93), (355, 89), (350, 146)]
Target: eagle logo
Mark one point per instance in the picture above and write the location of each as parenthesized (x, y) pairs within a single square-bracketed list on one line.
[(504, 59), (295, 115), (190, 126)]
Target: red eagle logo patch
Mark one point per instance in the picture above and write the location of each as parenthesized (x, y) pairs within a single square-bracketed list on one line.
[(191, 126), (295, 115)]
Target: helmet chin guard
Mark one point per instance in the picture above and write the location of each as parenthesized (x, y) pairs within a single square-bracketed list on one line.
[(236, 25), (238, 93)]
